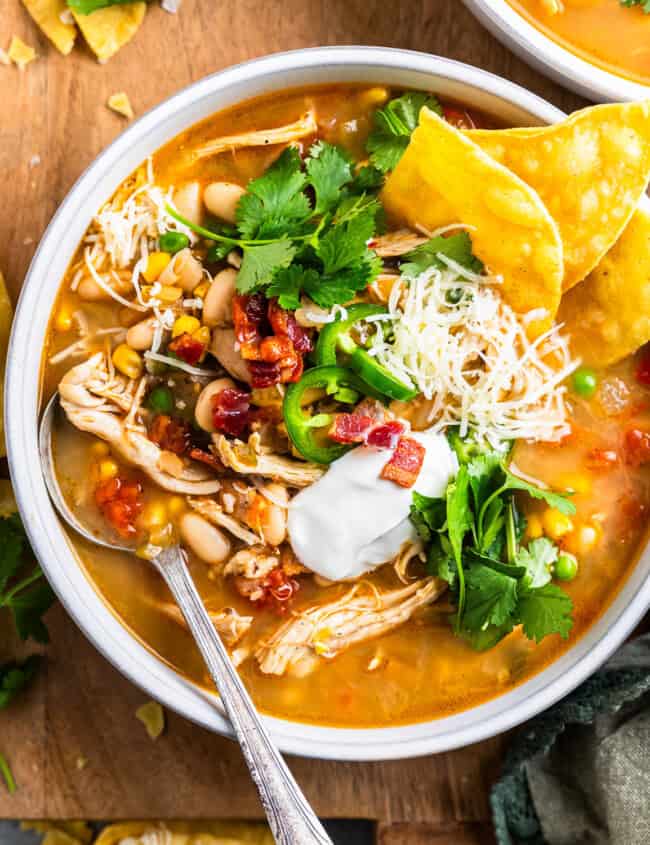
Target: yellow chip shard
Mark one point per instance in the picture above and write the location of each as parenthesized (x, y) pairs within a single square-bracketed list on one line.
[(444, 177), (21, 54), (47, 15), (152, 717), (590, 171), (6, 316), (108, 30), (608, 315), (187, 833), (121, 104)]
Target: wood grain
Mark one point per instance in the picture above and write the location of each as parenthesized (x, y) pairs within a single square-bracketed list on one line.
[(81, 707)]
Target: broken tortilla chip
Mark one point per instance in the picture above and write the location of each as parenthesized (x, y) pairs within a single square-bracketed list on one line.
[(187, 833), (444, 177), (108, 30), (6, 316), (21, 54), (608, 315), (590, 171), (121, 104), (47, 15)]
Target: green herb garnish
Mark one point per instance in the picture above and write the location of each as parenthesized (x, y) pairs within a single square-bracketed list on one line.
[(393, 126), (643, 4), (457, 247), (86, 7)]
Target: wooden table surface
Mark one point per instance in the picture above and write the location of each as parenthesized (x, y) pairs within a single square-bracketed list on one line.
[(81, 707)]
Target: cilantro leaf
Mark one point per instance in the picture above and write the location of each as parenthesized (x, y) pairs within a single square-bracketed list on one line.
[(368, 178), (457, 247), (484, 471), (274, 205), (393, 125), (262, 261), (329, 290), (345, 244), (427, 514), (644, 4), (329, 168), (12, 544), (491, 598), (487, 637), (538, 559), (288, 282), (15, 676), (28, 606), (545, 610), (459, 521), (86, 7), (554, 500)]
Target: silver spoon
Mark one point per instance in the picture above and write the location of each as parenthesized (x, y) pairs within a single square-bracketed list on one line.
[(291, 819)]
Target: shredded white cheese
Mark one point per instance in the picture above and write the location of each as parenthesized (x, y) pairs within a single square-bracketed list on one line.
[(180, 365), (453, 336)]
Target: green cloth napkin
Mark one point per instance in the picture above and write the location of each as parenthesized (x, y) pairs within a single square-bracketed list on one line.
[(579, 774)]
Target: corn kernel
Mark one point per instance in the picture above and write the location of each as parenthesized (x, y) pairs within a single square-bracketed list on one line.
[(575, 482), (202, 335), (156, 263), (534, 528), (175, 505), (63, 321), (374, 96), (201, 289), (154, 515), (185, 325), (169, 293), (107, 469), (100, 449), (127, 361), (163, 535), (555, 523), (583, 539)]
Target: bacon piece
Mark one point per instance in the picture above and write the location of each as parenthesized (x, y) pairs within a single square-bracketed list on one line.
[(278, 591), (637, 447), (386, 435), (249, 314), (187, 348), (207, 458), (350, 428), (283, 322), (277, 349), (170, 434), (120, 501), (231, 411), (406, 462), (263, 373)]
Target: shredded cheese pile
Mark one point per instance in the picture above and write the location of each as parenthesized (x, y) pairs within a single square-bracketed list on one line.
[(449, 332)]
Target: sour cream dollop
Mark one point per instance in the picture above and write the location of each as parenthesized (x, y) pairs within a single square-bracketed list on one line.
[(351, 520)]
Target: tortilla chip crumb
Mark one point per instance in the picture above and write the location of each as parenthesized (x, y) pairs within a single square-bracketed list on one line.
[(21, 54), (152, 717), (121, 104), (4, 57)]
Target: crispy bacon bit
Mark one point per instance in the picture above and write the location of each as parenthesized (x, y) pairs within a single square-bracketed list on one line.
[(249, 314), (643, 368), (459, 118), (637, 447), (170, 434), (386, 435), (120, 502), (602, 458), (231, 411), (277, 349), (284, 323), (406, 462), (207, 458), (278, 590), (350, 428), (264, 374), (187, 348)]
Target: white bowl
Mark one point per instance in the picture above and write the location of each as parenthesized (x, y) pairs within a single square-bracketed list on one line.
[(348, 64), (551, 58)]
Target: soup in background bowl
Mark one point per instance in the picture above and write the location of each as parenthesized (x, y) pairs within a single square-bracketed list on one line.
[(254, 344)]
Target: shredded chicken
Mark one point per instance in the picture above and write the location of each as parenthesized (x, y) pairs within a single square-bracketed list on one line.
[(213, 512), (244, 459), (264, 137), (100, 402), (396, 243), (251, 563), (326, 630), (409, 552), (230, 624)]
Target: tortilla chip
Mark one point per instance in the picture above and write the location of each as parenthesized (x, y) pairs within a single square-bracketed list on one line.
[(47, 15), (6, 316), (590, 171), (21, 54), (108, 30), (121, 104), (443, 177), (187, 833), (61, 833), (608, 315), (152, 717)]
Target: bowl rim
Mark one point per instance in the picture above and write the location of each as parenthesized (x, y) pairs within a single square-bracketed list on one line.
[(99, 623)]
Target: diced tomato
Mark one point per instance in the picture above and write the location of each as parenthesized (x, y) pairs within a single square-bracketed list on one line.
[(386, 435), (602, 458), (231, 411), (279, 589), (120, 501), (643, 368), (170, 434), (637, 447), (459, 118), (350, 428), (406, 462), (187, 348)]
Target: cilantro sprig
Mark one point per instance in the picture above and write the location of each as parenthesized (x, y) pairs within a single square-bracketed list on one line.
[(393, 126), (473, 540), (86, 7), (456, 247), (304, 228)]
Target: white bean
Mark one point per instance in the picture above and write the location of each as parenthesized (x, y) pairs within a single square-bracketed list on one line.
[(203, 409), (184, 270), (222, 347), (221, 199), (274, 516), (187, 200), (205, 540), (90, 291), (217, 301), (140, 336)]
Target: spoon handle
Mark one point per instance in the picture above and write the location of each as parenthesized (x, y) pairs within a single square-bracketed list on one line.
[(291, 819)]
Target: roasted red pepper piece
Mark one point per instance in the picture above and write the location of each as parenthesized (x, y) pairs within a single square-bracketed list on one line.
[(187, 348), (120, 501), (170, 434)]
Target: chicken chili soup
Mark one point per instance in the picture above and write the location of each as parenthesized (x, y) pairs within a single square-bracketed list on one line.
[(380, 369)]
